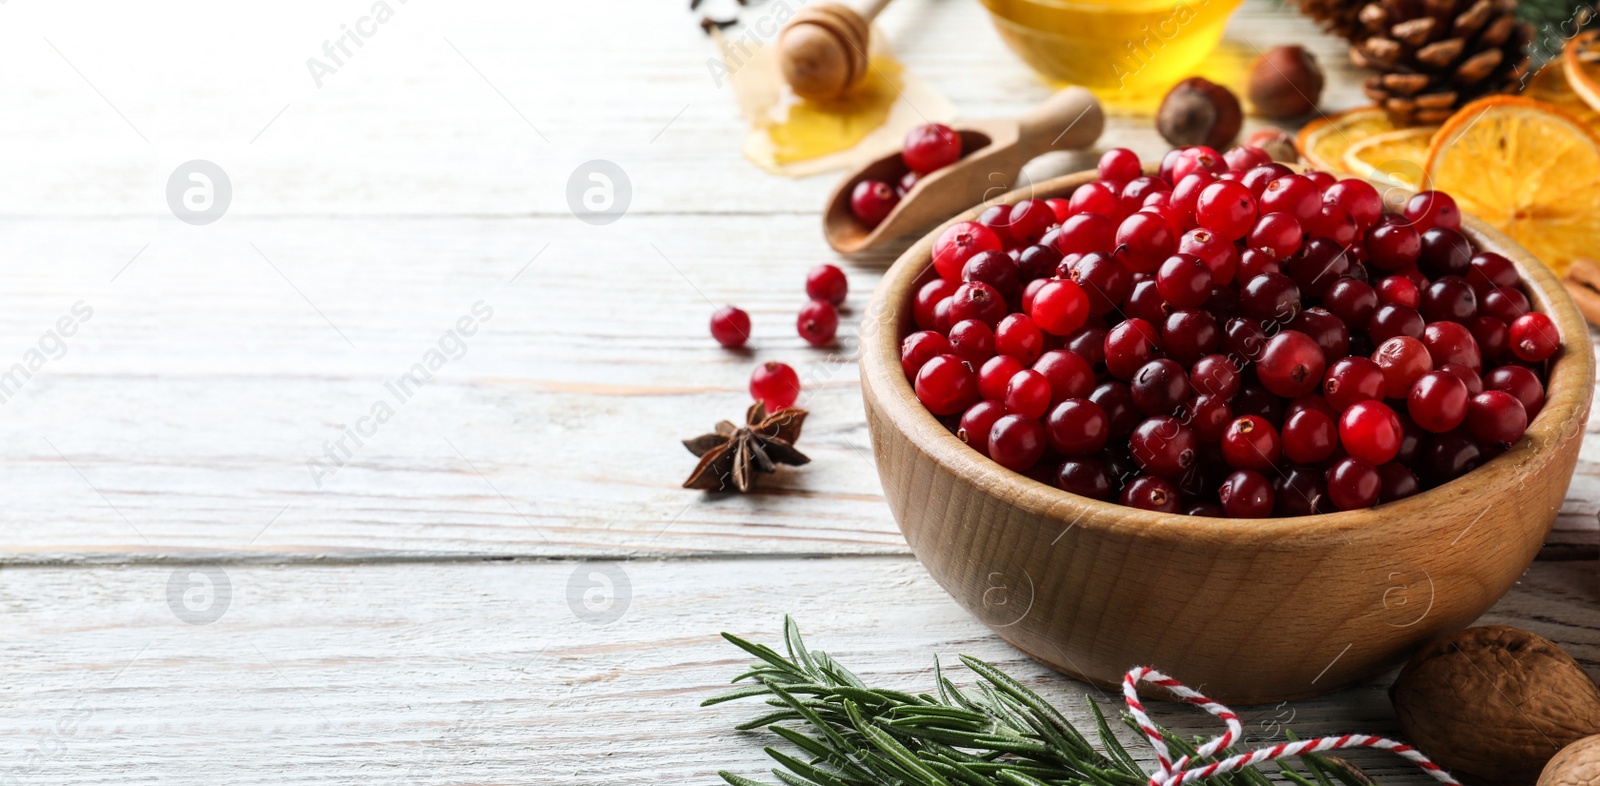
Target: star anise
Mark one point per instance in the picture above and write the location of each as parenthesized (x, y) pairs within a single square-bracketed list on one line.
[(730, 454)]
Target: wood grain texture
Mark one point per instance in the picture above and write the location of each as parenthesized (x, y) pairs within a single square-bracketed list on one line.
[(1089, 586), (482, 673)]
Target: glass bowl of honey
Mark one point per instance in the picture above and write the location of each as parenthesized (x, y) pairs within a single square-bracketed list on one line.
[(1126, 47)]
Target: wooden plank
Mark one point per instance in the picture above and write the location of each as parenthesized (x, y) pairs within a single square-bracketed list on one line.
[(483, 673)]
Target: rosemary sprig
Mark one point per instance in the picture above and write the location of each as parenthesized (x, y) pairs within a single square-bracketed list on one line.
[(845, 733)]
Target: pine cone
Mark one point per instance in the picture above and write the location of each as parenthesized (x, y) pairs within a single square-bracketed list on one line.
[(1340, 17), (1435, 55)]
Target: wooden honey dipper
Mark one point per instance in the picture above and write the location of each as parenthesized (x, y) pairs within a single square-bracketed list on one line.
[(823, 49)]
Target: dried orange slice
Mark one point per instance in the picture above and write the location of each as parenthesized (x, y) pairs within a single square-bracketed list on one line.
[(1551, 85), (1322, 143), (1529, 169), (1581, 60), (1394, 158)]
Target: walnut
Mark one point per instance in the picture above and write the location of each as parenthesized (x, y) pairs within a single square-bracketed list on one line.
[(1494, 704), (1577, 764)]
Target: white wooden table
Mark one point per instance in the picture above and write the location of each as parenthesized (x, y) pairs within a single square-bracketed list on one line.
[(417, 616)]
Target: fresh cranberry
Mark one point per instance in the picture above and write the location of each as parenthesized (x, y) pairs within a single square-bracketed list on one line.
[(1251, 443), (1394, 247), (1151, 493), (1351, 380), (1309, 436), (1398, 482), (1215, 375), (1332, 223), (1254, 262), (1449, 456), (931, 147), (1186, 192), (817, 323), (946, 385), (1096, 198), (1255, 400), (1489, 270), (1116, 401), (1429, 209), (1445, 252), (1449, 299), (1144, 241), (1326, 329), (995, 374), (1221, 256), (1534, 337), (1519, 382), (1016, 442), (1060, 307), (1369, 430), (1086, 477), (1277, 235), (996, 269), (1130, 345), (1120, 165), (1395, 320), (1163, 446), (1160, 387), (1077, 427), (1354, 484), (1226, 208), (1467, 376), (928, 297), (1028, 394), (1069, 375), (1189, 334), (1085, 233), (1028, 221), (1399, 291), (1257, 178), (1209, 416), (1495, 417), (775, 385), (1292, 194), (1403, 360), (1018, 336), (972, 340), (1060, 207), (1301, 492), (1184, 281), (1198, 158), (960, 243), (1503, 303), (871, 201), (1317, 265), (1244, 338), (1270, 297), (977, 300), (1291, 364), (1352, 301), (1357, 198), (1246, 157), (1145, 302), (1438, 401), (730, 326), (1451, 342), (977, 422), (828, 284), (1104, 280), (1037, 261), (919, 348), (1089, 343), (1246, 494)]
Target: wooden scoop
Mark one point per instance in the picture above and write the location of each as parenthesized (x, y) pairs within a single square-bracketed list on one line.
[(992, 153)]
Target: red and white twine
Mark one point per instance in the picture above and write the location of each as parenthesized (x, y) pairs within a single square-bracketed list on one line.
[(1170, 773)]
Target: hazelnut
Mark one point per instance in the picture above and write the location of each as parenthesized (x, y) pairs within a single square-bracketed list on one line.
[(1285, 82), (1199, 112), (1577, 764), (1494, 704)]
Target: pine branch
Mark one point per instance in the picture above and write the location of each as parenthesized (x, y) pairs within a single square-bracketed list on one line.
[(1001, 734)]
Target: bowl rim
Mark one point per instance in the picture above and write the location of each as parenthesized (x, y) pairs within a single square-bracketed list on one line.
[(1568, 391)]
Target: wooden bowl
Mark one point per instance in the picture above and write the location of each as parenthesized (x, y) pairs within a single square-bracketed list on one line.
[(1243, 610)]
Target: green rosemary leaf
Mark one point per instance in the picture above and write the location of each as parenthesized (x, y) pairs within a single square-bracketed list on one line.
[(810, 716), (741, 693), (765, 653), (1016, 689), (871, 697), (1288, 771), (1018, 779), (736, 780), (820, 749), (803, 769), (768, 719), (797, 647), (1108, 739), (892, 748), (837, 671), (1311, 763), (792, 779)]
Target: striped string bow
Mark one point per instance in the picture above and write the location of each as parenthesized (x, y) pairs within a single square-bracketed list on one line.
[(1170, 773)]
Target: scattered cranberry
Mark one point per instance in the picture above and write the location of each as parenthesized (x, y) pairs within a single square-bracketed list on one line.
[(817, 323), (730, 326), (871, 201), (775, 385), (931, 147), (828, 284), (1119, 165)]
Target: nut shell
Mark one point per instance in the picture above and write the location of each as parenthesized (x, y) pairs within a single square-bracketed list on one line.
[(1494, 704), (1577, 764), (1198, 111), (1285, 82)]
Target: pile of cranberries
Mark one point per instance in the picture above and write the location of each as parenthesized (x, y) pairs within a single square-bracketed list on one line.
[(928, 148), (1228, 338)]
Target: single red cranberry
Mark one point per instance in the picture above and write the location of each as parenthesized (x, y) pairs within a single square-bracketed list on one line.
[(1490, 270), (1136, 194), (776, 385), (977, 300), (1070, 376), (1519, 382), (1429, 209), (1445, 252), (1309, 436), (972, 340), (928, 297), (919, 348), (1226, 208), (1060, 307), (827, 283), (1251, 443), (1452, 342), (960, 243), (1277, 235), (1246, 494), (1151, 493), (1257, 178), (1449, 299), (1503, 303), (1163, 446), (1160, 387), (1018, 336), (1089, 343), (1038, 261), (1145, 302), (1120, 165), (1295, 195), (1254, 262), (1352, 301), (1144, 241), (1189, 334), (1301, 492), (947, 384), (1016, 442), (1534, 337), (996, 269), (1353, 379), (1317, 265), (1086, 477), (1197, 158), (1357, 198), (1270, 297), (995, 374), (1369, 430), (1209, 416), (1467, 376), (1449, 456), (1403, 360), (1291, 364), (1398, 482), (931, 147), (1393, 321), (1244, 338), (1077, 427), (871, 201), (1221, 256), (1326, 329), (1398, 291), (1096, 198), (1394, 247), (730, 326), (1333, 223), (1029, 220), (1107, 283), (1184, 281), (1116, 401), (1493, 337), (977, 422), (1186, 191), (1496, 417), (1028, 394), (1130, 345), (1438, 401), (1215, 375), (817, 323), (1243, 158), (1354, 484)]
